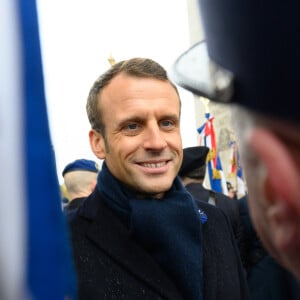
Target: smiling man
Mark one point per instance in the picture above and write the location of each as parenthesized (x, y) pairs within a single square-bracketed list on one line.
[(140, 235), (142, 144)]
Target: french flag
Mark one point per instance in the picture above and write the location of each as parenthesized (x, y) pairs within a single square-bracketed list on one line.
[(214, 166), (35, 252), (236, 171)]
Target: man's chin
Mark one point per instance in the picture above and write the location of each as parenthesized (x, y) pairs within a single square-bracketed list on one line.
[(156, 192)]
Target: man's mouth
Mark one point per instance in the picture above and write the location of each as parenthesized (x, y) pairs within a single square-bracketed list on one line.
[(154, 165)]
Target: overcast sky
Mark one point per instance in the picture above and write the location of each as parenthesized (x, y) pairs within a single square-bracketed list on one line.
[(77, 37)]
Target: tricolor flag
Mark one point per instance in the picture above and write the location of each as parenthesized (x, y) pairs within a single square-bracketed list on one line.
[(233, 159), (35, 253), (207, 138), (236, 171)]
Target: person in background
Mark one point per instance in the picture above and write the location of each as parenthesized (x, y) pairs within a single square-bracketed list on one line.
[(192, 174), (80, 177), (231, 191), (251, 60), (267, 280), (140, 234)]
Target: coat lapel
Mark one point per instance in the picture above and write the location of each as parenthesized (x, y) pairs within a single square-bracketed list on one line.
[(110, 234)]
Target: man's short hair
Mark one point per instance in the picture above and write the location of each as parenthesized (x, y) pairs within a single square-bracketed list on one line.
[(135, 67)]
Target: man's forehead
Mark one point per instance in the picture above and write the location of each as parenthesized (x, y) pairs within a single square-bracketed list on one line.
[(124, 87)]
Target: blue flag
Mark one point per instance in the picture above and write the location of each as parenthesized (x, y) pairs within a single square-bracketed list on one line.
[(41, 254)]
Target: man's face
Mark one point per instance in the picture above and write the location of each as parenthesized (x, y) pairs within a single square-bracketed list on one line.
[(273, 191), (255, 174), (279, 236), (143, 147)]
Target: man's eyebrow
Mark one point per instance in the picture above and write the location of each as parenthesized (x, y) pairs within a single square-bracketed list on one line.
[(139, 119), (132, 119), (174, 117), (170, 116)]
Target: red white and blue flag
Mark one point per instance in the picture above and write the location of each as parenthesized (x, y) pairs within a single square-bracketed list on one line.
[(236, 170), (35, 253), (214, 166)]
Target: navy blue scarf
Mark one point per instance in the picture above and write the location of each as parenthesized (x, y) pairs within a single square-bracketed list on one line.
[(169, 229)]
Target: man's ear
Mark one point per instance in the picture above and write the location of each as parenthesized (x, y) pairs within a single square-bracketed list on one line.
[(280, 187), (283, 173), (97, 144)]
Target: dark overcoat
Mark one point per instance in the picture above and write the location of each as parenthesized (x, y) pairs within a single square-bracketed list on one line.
[(230, 207), (112, 265), (73, 204)]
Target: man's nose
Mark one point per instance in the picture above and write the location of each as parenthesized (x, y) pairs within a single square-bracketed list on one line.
[(154, 138)]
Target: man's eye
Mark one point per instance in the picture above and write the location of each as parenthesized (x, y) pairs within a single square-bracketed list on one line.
[(132, 126), (132, 129), (166, 123)]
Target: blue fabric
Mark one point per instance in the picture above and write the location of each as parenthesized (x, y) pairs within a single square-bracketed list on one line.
[(81, 165), (169, 229), (50, 272), (262, 55)]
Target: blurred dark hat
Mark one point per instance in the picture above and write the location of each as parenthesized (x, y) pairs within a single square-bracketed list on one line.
[(193, 158), (81, 165), (251, 56)]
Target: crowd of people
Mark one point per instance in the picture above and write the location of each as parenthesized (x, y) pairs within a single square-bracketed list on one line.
[(145, 226)]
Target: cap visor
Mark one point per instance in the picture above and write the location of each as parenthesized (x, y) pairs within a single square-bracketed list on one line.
[(196, 72)]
